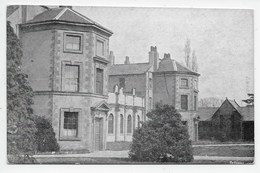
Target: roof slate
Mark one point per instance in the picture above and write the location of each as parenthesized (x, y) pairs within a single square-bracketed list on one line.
[(46, 15), (167, 65), (247, 113), (205, 113), (125, 69), (64, 14)]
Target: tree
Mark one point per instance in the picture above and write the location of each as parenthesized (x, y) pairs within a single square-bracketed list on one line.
[(45, 136), (20, 125), (194, 66), (210, 102), (187, 50), (163, 138), (250, 100)]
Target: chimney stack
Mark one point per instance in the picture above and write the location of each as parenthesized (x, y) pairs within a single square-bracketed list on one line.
[(154, 58), (24, 13), (127, 60), (111, 58), (167, 56)]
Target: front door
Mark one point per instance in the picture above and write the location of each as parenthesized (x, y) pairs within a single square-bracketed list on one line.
[(98, 134)]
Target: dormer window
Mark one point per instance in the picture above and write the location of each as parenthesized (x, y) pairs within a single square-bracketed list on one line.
[(73, 43)]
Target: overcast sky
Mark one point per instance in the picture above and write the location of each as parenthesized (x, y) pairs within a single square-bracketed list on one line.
[(222, 40)]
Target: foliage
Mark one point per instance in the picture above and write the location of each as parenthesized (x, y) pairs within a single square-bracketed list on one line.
[(187, 50), (45, 136), (20, 126), (163, 138), (194, 65), (250, 100)]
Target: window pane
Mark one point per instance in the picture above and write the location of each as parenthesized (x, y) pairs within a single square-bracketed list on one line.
[(184, 102), (71, 78), (70, 125), (111, 124), (99, 81), (121, 124), (184, 82), (73, 42), (121, 82), (195, 102), (129, 124)]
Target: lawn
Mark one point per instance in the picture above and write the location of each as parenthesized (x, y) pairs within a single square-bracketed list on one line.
[(229, 151), (234, 151)]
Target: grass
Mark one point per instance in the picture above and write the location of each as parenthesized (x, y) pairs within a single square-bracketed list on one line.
[(115, 161), (234, 151)]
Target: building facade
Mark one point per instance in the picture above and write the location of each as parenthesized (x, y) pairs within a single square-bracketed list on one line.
[(91, 101), (177, 85), (229, 122), (66, 57)]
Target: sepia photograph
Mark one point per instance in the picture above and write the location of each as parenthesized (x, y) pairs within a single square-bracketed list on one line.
[(129, 85)]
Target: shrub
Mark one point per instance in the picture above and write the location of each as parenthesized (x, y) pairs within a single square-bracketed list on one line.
[(45, 136), (20, 126), (163, 138)]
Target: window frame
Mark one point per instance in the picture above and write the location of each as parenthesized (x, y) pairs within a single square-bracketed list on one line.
[(110, 131), (129, 126), (121, 124), (121, 78), (186, 86), (196, 85), (186, 102), (195, 102), (62, 137), (80, 35), (102, 88), (80, 75), (104, 47), (78, 78)]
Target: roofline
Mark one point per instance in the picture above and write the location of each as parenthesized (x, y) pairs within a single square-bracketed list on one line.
[(68, 23), (126, 74), (133, 63), (177, 72), (60, 13)]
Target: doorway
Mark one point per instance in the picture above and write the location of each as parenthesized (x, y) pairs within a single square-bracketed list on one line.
[(98, 134)]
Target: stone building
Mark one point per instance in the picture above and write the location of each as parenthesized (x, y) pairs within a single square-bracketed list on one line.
[(91, 101), (229, 122), (166, 82), (66, 57), (126, 114), (177, 85), (135, 75)]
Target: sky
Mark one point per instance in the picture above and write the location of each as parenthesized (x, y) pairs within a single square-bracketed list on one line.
[(221, 39)]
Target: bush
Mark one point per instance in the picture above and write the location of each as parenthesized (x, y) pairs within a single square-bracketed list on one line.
[(163, 138), (45, 136)]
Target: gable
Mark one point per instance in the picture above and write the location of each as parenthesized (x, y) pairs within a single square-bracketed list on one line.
[(72, 17), (226, 109), (103, 106)]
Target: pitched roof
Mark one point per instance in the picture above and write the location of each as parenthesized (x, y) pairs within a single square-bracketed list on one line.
[(234, 104), (11, 9), (125, 69), (205, 113), (65, 15), (247, 113), (168, 65)]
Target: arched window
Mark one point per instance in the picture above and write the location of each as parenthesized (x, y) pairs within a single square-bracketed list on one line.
[(138, 121), (111, 124), (129, 124), (121, 124)]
